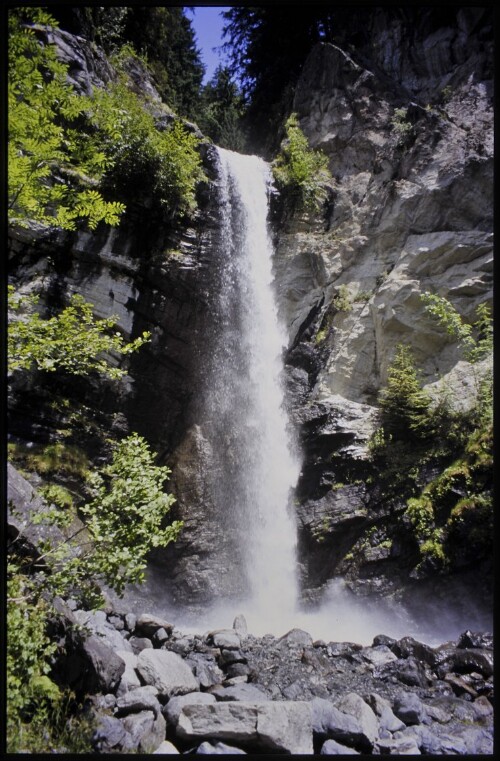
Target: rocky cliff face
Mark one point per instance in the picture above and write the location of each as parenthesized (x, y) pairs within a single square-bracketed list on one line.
[(406, 120)]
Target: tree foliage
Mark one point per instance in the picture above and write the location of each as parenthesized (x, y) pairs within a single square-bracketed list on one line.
[(166, 36), (405, 406), (73, 341), (476, 339), (300, 171), (222, 110), (162, 165), (46, 181)]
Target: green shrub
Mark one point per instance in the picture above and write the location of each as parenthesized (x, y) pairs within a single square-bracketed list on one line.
[(406, 408), (162, 166), (299, 171), (342, 301)]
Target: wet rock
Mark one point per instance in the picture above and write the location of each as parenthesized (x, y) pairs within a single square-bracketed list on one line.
[(206, 670), (400, 746), (329, 722), (227, 639), (285, 727), (475, 639), (466, 661), (407, 647), (240, 626), (166, 671), (379, 655), (409, 671), (109, 735), (160, 637), (97, 623), (297, 638), (147, 625)]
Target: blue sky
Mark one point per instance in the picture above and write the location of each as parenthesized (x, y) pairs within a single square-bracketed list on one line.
[(207, 24)]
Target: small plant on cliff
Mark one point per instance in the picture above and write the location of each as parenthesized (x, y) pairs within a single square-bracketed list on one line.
[(406, 408), (342, 301), (73, 341), (401, 126), (300, 171), (46, 180), (475, 347)]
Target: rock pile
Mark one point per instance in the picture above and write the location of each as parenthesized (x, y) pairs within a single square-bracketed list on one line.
[(157, 690)]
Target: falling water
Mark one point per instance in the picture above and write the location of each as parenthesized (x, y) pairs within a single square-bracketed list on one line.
[(247, 421)]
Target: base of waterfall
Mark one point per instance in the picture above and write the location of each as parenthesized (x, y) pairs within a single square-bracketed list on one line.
[(153, 687)]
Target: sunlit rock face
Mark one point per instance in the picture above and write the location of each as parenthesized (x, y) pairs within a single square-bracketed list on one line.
[(410, 210)]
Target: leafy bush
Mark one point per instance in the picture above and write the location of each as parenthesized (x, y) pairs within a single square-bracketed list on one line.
[(46, 180), (143, 161), (299, 171), (73, 341), (475, 347)]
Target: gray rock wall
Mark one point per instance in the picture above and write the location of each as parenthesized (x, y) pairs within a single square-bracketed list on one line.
[(410, 210)]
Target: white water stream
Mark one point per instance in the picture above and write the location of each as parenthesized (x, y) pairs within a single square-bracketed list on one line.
[(246, 394)]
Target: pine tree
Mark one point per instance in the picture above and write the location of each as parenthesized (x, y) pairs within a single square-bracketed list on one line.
[(405, 406)]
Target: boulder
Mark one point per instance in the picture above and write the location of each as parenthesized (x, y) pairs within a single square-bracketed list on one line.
[(333, 748), (225, 638), (354, 705), (409, 708), (96, 622), (240, 626), (167, 672), (386, 717), (175, 705), (94, 667), (141, 699), (109, 735), (328, 722), (166, 748), (276, 726), (297, 638), (129, 679), (147, 625), (205, 669), (146, 729), (139, 643), (207, 748)]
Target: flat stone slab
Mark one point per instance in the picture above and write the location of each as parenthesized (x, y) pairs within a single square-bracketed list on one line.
[(284, 726)]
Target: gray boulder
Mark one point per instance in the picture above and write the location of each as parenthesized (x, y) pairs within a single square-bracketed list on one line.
[(146, 729), (401, 746), (100, 667), (129, 679), (147, 625), (96, 622), (165, 748), (109, 735), (333, 748), (207, 748), (328, 722), (297, 638), (386, 717), (167, 672), (175, 705), (141, 699), (409, 708), (355, 706), (277, 726), (228, 639)]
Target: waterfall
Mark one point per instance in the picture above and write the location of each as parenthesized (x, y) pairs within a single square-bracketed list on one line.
[(245, 419)]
